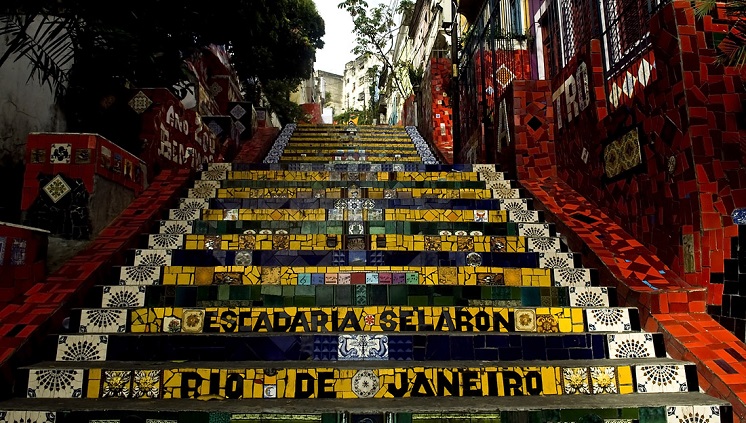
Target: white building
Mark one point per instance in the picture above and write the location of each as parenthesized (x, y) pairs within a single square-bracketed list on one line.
[(357, 82)]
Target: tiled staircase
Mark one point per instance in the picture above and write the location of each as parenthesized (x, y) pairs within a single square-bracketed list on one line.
[(350, 278)]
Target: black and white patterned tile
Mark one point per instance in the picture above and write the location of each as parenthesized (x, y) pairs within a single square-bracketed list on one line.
[(496, 183), (506, 193), (103, 320), (572, 276), (537, 230), (363, 347), (523, 216), (175, 227), (165, 241), (28, 417), (60, 153), (483, 168), (82, 347), (224, 167), (55, 383), (544, 245), (589, 296), (140, 275), (554, 260), (194, 203), (693, 414), (146, 384), (184, 214), (514, 204), (631, 345), (658, 378), (610, 319), (154, 258), (123, 296), (213, 175)]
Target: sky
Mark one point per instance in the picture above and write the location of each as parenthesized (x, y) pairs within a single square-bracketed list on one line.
[(339, 40)]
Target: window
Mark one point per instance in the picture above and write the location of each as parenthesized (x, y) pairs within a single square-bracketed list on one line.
[(624, 28)]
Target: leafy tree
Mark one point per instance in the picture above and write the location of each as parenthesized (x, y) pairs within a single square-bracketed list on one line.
[(115, 45), (375, 28), (732, 49)]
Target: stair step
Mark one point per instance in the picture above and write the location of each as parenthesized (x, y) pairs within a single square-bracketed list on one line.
[(374, 193), (354, 379), (354, 346), (345, 203), (342, 167)]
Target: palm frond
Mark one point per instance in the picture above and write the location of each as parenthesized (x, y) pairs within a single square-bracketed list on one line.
[(704, 7), (733, 46)]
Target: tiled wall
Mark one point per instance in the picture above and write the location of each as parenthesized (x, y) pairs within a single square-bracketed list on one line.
[(435, 121), (23, 258)]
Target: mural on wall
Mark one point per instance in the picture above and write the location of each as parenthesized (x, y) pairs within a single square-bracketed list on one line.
[(61, 207)]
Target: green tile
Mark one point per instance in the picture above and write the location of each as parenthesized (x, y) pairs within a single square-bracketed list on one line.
[(418, 300), (240, 293), (303, 301), (531, 296), (275, 290), (398, 295), (274, 301), (412, 278), (486, 293), (288, 290), (224, 292), (324, 295), (305, 290), (652, 414), (343, 295), (443, 301)]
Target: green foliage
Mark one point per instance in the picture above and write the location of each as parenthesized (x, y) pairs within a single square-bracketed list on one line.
[(144, 44), (732, 47)]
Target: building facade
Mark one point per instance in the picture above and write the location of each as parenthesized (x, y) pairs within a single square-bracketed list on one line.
[(358, 81)]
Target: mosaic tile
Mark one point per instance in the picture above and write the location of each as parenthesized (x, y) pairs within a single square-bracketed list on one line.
[(214, 175), (165, 241), (697, 413), (60, 153), (631, 345), (123, 296), (55, 383), (581, 296), (57, 189), (18, 252), (608, 320), (28, 417), (140, 275), (544, 244), (82, 347), (184, 214), (575, 381), (572, 277), (365, 384), (556, 260), (152, 258), (661, 378), (103, 320), (604, 380), (3, 241), (536, 230), (175, 227), (146, 384), (525, 320), (223, 167)]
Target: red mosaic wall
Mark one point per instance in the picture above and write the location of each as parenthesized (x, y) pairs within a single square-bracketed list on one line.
[(23, 259), (435, 123), (675, 194), (525, 130)]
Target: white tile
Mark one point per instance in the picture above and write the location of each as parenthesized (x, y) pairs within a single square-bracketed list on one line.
[(146, 257), (225, 167), (589, 296), (483, 168), (140, 275), (82, 347), (213, 175), (103, 320), (165, 241), (572, 277), (55, 383), (184, 214), (28, 416), (556, 260), (631, 345), (537, 230), (495, 183), (661, 378), (514, 204), (175, 227), (545, 244), (506, 193), (198, 184), (123, 296), (610, 319), (523, 216), (697, 413), (194, 203)]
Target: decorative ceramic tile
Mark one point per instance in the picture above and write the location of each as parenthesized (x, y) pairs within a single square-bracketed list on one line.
[(230, 214), (140, 103), (103, 421), (365, 384), (515, 204), (693, 414), (474, 259), (524, 216), (117, 384), (55, 383), (56, 189), (363, 347), (661, 378), (497, 184), (269, 390), (603, 380), (525, 320), (38, 155), (556, 260), (536, 230), (622, 154), (544, 245), (204, 191), (194, 203), (572, 276), (122, 296), (103, 320), (575, 380), (213, 175), (152, 258), (608, 320), (481, 216), (146, 384), (193, 320), (335, 214), (506, 193), (18, 252), (140, 275), (175, 227), (165, 241), (631, 345), (82, 347), (184, 214), (225, 167), (60, 153), (243, 258), (171, 324), (589, 296), (483, 168), (28, 417), (83, 156), (547, 323)]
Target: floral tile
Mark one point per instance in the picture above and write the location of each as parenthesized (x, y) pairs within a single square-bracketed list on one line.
[(631, 345), (184, 214), (497, 184), (165, 241), (55, 383), (608, 319), (60, 153), (534, 229), (525, 320), (693, 414), (514, 204), (56, 188), (575, 380), (362, 347), (544, 245), (103, 320), (140, 275), (175, 227), (153, 258), (589, 296), (572, 276), (82, 347), (506, 193), (483, 168), (194, 203), (523, 216), (123, 296), (117, 384), (556, 260), (661, 378), (603, 380), (28, 417), (146, 384), (214, 175), (225, 167), (193, 320)]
